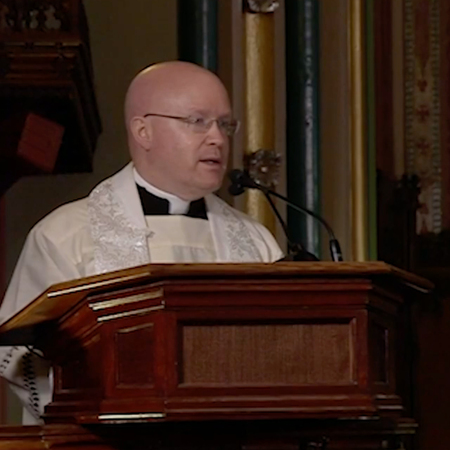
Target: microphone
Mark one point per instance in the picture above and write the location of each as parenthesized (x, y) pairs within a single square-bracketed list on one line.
[(240, 180)]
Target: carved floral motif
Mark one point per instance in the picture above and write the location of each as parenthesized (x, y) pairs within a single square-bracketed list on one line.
[(261, 6), (423, 106), (34, 15), (423, 113), (264, 166)]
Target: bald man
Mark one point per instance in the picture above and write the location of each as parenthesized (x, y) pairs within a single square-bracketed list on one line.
[(159, 208)]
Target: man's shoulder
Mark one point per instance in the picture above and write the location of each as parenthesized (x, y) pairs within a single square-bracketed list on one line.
[(64, 221)]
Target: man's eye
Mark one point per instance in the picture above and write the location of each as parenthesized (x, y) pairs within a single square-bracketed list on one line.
[(197, 121), (224, 123)]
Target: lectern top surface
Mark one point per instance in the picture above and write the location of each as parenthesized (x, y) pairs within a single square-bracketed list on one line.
[(58, 299)]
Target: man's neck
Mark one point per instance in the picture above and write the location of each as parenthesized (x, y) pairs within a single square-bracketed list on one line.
[(176, 204)]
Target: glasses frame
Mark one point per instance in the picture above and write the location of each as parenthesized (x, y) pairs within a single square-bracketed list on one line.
[(208, 123)]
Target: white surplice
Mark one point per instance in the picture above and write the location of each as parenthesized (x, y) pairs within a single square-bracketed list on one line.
[(108, 231)]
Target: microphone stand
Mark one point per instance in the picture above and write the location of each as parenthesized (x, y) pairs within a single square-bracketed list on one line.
[(295, 251), (240, 180), (335, 248)]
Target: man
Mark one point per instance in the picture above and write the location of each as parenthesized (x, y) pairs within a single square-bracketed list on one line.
[(159, 208)]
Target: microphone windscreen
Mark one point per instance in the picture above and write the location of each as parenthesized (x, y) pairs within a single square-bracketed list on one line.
[(236, 189), (236, 176), (236, 186)]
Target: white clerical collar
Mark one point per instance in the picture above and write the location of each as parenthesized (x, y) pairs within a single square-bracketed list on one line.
[(176, 204)]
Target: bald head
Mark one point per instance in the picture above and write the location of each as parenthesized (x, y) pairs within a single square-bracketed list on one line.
[(158, 83), (167, 150)]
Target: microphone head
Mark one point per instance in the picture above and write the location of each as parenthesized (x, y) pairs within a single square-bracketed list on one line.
[(236, 189), (240, 180), (236, 177)]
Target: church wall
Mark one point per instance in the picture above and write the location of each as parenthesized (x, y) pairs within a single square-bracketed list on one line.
[(335, 122), (125, 37)]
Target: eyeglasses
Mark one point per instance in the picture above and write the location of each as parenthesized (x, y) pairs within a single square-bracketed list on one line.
[(202, 125)]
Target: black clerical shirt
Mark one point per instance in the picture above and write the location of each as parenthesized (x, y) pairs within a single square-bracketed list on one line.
[(157, 206)]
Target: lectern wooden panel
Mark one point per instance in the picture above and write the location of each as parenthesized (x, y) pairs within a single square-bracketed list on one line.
[(188, 343)]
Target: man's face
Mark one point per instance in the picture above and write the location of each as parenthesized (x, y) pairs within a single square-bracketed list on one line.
[(181, 160)]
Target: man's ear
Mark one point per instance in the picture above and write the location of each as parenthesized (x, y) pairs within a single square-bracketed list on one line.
[(141, 132)]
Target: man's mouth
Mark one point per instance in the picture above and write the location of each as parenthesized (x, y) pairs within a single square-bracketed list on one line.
[(212, 161)]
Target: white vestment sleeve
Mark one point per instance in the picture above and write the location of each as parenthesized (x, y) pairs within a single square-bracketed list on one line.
[(40, 265)]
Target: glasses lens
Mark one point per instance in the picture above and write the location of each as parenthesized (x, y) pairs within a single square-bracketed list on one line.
[(230, 127), (198, 124), (233, 127), (201, 125)]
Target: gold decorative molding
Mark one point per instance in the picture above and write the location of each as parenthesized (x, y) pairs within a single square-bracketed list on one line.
[(260, 102), (358, 136)]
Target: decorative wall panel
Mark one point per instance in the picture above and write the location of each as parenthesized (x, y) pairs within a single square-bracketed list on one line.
[(423, 105)]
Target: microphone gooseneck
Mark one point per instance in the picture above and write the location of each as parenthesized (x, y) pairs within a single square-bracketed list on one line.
[(240, 180)]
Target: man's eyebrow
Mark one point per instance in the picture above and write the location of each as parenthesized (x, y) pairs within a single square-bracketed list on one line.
[(200, 112), (207, 114)]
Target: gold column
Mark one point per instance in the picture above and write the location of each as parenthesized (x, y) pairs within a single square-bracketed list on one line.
[(259, 101), (358, 130)]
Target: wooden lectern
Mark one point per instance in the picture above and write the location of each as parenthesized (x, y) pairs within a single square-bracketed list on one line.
[(224, 356)]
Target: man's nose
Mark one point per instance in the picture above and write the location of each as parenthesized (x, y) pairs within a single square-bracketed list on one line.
[(216, 134)]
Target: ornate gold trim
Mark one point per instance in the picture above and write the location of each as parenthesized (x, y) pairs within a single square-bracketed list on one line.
[(260, 101), (358, 136)]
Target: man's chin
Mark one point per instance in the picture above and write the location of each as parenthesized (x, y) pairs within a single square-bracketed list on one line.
[(208, 188)]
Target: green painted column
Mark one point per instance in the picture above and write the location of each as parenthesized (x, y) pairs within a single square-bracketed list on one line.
[(303, 127), (197, 32)]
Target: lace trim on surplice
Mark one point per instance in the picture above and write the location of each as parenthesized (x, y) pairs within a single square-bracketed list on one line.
[(118, 244)]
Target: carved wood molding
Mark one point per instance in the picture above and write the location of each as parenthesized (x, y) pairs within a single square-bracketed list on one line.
[(46, 69)]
